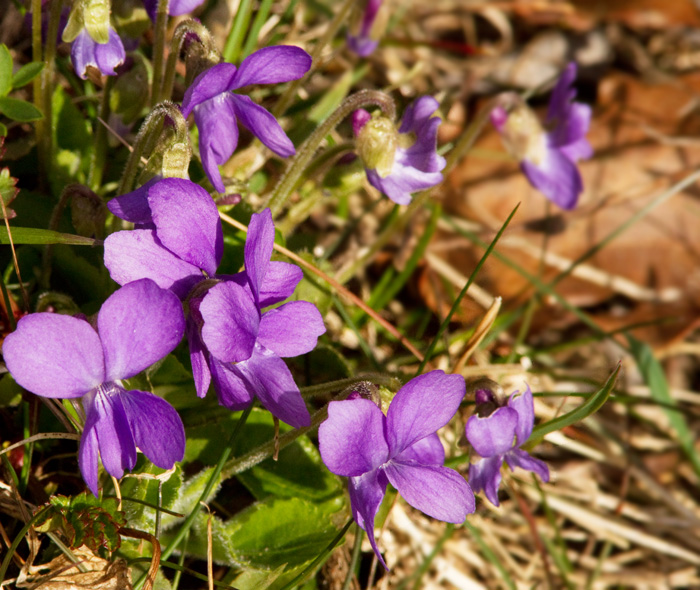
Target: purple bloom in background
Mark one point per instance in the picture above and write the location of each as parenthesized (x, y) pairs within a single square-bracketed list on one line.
[(232, 343), (175, 7), (103, 56), (61, 356), (399, 164), (357, 441), (548, 157), (217, 109), (362, 43), (498, 436)]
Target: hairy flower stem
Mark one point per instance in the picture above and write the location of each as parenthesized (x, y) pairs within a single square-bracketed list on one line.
[(395, 225), (99, 152), (147, 139), (289, 94), (342, 384), (298, 164), (160, 29)]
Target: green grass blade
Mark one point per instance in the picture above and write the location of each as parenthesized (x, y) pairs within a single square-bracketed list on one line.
[(30, 235)]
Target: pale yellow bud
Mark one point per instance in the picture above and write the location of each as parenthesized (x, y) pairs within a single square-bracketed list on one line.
[(377, 143)]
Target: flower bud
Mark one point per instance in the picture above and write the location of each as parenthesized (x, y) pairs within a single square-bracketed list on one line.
[(130, 92), (521, 132), (96, 17), (377, 141)]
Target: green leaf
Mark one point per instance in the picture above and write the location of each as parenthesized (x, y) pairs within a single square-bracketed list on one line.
[(590, 406), (5, 70), (655, 378), (30, 235), (150, 483), (19, 110), (3, 130), (27, 73)]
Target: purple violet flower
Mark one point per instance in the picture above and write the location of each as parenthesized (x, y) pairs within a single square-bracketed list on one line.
[(497, 432), (217, 109), (105, 57), (400, 163), (61, 356), (362, 43), (175, 7), (548, 156), (402, 448), (232, 342)]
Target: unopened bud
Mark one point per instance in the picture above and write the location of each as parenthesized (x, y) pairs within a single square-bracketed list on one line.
[(376, 144), (96, 17), (88, 212), (522, 133)]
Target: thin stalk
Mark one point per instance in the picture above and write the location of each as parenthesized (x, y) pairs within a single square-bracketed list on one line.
[(289, 94), (8, 305), (342, 384), (45, 280), (355, 559), (232, 49), (99, 153), (261, 15), (189, 521), (181, 32), (298, 164), (160, 30), (18, 539), (40, 126)]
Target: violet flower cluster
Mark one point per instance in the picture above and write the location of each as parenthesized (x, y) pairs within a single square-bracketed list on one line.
[(497, 432), (548, 156), (400, 162), (233, 343), (59, 356), (401, 448)]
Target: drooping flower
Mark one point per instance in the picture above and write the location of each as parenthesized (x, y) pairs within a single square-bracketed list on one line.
[(400, 162), (61, 356), (85, 51), (362, 41), (548, 155), (232, 342), (175, 7), (402, 448), (217, 109), (496, 432)]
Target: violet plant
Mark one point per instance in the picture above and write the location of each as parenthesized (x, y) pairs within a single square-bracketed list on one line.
[(166, 248)]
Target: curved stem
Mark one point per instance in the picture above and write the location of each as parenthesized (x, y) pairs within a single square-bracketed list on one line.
[(298, 164), (99, 152), (160, 29), (185, 28)]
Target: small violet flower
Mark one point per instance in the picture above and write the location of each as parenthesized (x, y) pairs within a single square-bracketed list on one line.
[(233, 344), (85, 51), (497, 432), (362, 43), (217, 109), (402, 448), (548, 156), (60, 356), (175, 7), (400, 162)]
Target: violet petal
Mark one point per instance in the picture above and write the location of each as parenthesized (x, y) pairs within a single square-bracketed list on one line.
[(110, 55), (522, 459), (272, 65), (54, 355), (524, 406), (231, 321), (139, 324), (366, 495), (291, 329), (352, 440), (218, 135), (279, 282), (274, 385), (485, 475), (187, 222), (88, 455), (258, 249), (437, 491), (557, 178), (198, 351), (210, 83), (422, 406), (138, 254), (263, 125), (156, 427), (426, 451), (232, 390), (133, 206), (494, 434)]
